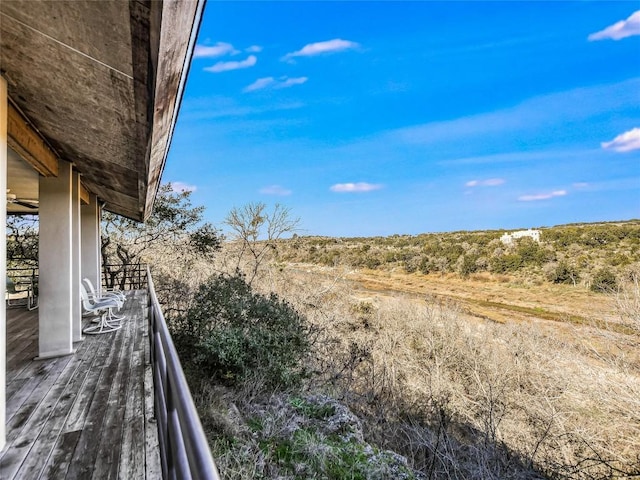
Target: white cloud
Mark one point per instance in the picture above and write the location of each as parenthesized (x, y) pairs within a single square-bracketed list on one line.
[(319, 48), (490, 182), (275, 190), (580, 185), (227, 66), (290, 82), (542, 196), (625, 142), (217, 50), (355, 187), (514, 157), (270, 82), (619, 30), (253, 49), (537, 112), (259, 84), (178, 187)]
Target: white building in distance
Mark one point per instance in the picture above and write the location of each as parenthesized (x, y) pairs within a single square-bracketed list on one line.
[(509, 238)]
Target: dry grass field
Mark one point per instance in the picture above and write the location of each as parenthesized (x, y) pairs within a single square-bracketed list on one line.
[(482, 293), (488, 376), (484, 377)]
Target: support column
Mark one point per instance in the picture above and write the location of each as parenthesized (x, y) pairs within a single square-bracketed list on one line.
[(99, 285), (55, 264), (3, 261), (76, 312), (90, 233)]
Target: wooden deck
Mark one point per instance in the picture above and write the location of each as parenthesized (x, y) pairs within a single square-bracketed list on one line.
[(86, 415)]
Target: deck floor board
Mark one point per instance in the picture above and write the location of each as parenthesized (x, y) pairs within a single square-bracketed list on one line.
[(86, 415)]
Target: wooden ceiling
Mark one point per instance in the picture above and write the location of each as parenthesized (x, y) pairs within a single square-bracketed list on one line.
[(100, 82)]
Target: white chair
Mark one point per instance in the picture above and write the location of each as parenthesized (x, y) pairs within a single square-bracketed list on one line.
[(103, 308), (108, 295)]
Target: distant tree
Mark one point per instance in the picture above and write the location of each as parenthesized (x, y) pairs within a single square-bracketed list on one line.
[(175, 230), (597, 236), (256, 229), (22, 241), (530, 251)]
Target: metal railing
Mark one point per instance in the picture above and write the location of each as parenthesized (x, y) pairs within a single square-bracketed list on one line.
[(184, 451), (125, 276), (23, 274), (22, 282)]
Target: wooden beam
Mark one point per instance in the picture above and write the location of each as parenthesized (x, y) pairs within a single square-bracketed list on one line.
[(84, 195), (27, 143)]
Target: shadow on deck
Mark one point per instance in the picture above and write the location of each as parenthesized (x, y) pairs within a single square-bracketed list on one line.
[(86, 415)]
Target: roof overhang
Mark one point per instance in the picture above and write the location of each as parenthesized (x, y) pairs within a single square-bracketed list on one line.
[(100, 82)]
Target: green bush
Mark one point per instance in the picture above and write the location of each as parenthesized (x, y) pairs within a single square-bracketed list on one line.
[(564, 273), (506, 263), (604, 281), (530, 252), (232, 334), (426, 265), (468, 265), (372, 262), (619, 260)]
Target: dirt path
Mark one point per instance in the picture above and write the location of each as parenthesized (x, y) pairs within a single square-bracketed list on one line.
[(499, 300), (586, 320)]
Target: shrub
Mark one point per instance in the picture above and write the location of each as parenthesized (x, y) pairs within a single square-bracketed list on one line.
[(412, 265), (467, 264), (506, 263), (372, 262), (530, 252), (619, 260), (604, 281), (233, 334), (426, 265), (564, 273)]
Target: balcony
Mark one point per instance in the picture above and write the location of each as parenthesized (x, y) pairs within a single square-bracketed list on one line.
[(90, 414), (118, 407)]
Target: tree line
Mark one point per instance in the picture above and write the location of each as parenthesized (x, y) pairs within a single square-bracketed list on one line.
[(595, 255)]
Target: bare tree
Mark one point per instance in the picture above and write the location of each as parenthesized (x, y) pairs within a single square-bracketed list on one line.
[(256, 229)]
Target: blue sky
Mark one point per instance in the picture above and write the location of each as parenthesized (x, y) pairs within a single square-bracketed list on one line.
[(377, 118)]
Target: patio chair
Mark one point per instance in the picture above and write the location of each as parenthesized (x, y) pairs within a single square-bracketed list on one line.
[(116, 295), (104, 308), (16, 294)]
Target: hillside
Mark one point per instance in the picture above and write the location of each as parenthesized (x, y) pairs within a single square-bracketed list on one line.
[(455, 355), (593, 255)]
